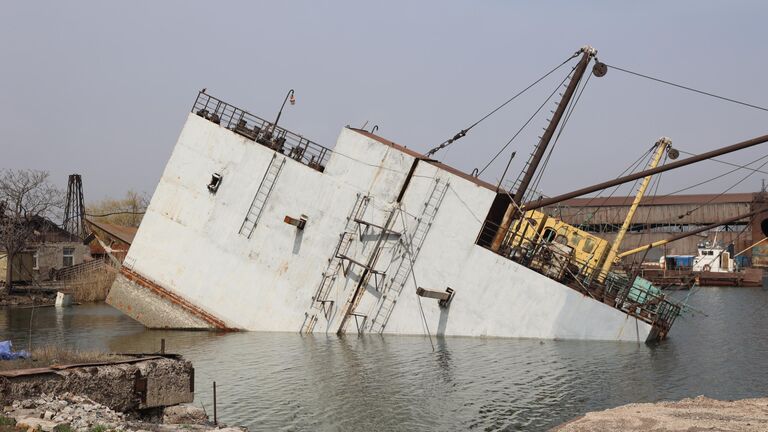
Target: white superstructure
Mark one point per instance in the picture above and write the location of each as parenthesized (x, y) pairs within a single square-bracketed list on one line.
[(289, 236), (713, 258)]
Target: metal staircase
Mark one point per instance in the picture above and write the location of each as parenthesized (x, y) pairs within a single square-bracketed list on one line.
[(262, 194), (369, 269), (320, 302), (410, 248)]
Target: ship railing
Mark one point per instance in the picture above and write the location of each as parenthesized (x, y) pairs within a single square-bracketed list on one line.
[(614, 289), (257, 129)]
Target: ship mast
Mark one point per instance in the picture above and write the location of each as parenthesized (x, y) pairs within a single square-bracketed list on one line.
[(661, 145), (587, 53)]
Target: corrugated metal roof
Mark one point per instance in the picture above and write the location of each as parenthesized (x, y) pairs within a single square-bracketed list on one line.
[(123, 233), (662, 200)]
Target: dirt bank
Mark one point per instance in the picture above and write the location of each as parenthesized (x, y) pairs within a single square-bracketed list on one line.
[(27, 299), (697, 414)]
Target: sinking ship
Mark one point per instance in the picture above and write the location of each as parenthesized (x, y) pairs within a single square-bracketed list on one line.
[(254, 227)]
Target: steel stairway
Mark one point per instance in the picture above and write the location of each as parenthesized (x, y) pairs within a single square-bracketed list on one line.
[(320, 302), (410, 248)]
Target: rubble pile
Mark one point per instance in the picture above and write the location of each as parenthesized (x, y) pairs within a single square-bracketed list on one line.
[(47, 412), (70, 412)]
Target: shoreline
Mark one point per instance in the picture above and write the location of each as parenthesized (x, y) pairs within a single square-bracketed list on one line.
[(699, 413)]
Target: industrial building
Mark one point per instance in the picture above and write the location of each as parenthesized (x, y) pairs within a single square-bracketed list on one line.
[(660, 217)]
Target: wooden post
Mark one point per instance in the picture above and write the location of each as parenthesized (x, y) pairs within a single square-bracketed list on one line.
[(162, 346)]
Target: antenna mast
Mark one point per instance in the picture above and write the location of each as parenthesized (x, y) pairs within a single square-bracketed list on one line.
[(74, 221), (587, 54)]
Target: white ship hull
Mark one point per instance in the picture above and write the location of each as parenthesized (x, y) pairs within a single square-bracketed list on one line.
[(197, 263)]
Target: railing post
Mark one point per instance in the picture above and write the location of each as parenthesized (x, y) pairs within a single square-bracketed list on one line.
[(231, 117), (197, 99)]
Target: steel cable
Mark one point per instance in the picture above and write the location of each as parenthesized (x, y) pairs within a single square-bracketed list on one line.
[(689, 88), (463, 132), (525, 124)]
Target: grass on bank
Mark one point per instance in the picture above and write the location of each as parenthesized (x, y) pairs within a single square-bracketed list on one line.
[(55, 355), (93, 286)]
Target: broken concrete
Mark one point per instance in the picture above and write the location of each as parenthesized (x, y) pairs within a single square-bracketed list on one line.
[(49, 413), (696, 414), (145, 382)]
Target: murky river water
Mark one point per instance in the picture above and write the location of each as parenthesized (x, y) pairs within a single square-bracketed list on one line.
[(275, 381)]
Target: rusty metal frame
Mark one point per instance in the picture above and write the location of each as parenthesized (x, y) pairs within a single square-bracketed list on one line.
[(283, 141)]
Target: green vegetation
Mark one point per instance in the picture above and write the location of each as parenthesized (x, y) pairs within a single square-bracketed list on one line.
[(63, 428), (8, 424), (98, 428)]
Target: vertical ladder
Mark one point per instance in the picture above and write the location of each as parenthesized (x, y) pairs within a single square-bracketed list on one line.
[(369, 269), (411, 248), (265, 188), (320, 302)]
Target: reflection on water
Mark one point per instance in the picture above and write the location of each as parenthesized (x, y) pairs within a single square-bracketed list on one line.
[(282, 381)]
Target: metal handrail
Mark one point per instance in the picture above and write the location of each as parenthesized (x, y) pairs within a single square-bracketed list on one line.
[(257, 129), (614, 291)]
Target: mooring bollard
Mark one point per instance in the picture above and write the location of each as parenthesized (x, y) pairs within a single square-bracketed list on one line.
[(215, 416)]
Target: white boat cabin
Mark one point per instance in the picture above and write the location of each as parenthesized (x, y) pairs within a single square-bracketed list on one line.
[(713, 258)]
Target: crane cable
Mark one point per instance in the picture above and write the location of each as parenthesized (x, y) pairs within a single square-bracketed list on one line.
[(724, 162), (738, 167), (464, 131), (526, 123), (689, 212), (631, 168), (702, 92), (569, 112)]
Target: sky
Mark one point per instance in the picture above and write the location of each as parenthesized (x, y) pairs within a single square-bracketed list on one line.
[(103, 88)]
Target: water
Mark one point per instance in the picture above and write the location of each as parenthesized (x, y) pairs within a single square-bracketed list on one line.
[(276, 381)]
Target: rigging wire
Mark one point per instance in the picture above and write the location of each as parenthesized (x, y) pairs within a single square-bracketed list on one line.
[(464, 131), (631, 168), (624, 202), (644, 160), (569, 112), (526, 123), (655, 186), (689, 88), (724, 162), (716, 177), (689, 212)]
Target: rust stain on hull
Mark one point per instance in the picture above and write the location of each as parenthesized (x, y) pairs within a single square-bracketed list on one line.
[(175, 299)]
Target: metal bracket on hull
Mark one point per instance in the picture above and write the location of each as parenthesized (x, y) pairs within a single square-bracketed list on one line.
[(443, 298)]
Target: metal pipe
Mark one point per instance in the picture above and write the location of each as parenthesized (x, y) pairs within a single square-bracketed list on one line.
[(289, 94), (690, 233), (541, 148), (661, 145), (632, 177), (215, 412), (750, 247)]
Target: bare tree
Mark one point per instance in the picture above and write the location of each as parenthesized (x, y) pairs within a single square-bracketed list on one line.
[(26, 197), (127, 211)]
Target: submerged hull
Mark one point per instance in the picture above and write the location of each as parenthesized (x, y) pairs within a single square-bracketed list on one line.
[(336, 243)]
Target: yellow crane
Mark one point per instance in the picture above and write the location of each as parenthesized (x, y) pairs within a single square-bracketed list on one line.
[(662, 145)]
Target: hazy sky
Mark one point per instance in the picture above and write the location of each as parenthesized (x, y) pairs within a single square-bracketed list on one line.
[(103, 88)]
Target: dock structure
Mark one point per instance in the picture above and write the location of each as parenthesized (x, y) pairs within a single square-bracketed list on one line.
[(660, 217), (254, 227)]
